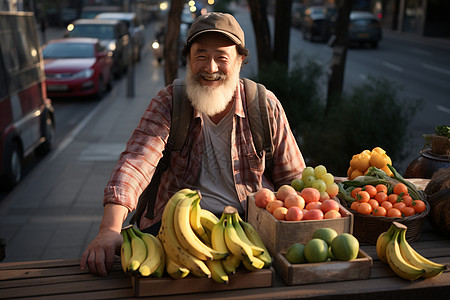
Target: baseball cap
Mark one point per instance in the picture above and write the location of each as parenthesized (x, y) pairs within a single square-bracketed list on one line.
[(222, 23)]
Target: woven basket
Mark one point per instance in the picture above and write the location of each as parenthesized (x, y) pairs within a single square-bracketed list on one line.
[(367, 228), (440, 145)]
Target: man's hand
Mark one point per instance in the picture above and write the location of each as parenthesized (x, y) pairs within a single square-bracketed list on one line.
[(99, 255)]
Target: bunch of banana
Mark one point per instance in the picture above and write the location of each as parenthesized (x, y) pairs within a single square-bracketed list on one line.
[(393, 249), (194, 240), (141, 253)]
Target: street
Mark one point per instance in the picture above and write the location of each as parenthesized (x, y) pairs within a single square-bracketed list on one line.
[(90, 134)]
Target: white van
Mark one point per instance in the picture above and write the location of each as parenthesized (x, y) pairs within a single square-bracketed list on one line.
[(26, 114)]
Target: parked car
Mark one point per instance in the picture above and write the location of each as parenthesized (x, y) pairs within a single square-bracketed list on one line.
[(91, 11), (297, 14), (26, 114), (364, 28), (317, 23), (135, 29), (77, 67), (113, 34)]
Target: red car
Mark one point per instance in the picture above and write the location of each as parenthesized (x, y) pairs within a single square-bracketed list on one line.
[(77, 67)]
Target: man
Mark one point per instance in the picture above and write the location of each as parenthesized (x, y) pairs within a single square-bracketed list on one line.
[(218, 157)]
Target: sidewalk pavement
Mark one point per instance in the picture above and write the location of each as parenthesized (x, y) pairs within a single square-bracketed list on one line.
[(56, 210)]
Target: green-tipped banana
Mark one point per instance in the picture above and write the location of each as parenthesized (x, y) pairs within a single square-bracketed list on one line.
[(237, 246), (432, 269), (382, 242), (187, 237), (398, 264), (241, 233), (231, 263), (155, 254), (218, 237), (255, 238), (172, 247), (218, 274), (196, 224), (125, 251), (251, 266), (208, 219), (175, 270), (138, 251)]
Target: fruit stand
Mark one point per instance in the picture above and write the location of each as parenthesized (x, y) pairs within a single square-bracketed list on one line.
[(63, 279)]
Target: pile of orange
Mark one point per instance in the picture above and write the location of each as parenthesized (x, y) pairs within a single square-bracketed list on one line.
[(375, 200), (360, 163)]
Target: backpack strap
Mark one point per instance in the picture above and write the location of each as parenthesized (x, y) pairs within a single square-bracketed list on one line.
[(256, 98), (181, 117)]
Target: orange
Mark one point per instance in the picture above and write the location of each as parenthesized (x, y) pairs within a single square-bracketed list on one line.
[(394, 198), (374, 203), (387, 205), (381, 188), (280, 213), (407, 199), (419, 206), (394, 213), (364, 208), (399, 205), (272, 205), (371, 190), (380, 211), (354, 205), (408, 211), (380, 197), (362, 196), (400, 189), (354, 191)]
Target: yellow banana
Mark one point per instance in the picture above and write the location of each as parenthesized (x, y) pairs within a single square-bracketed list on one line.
[(250, 267), (155, 254), (218, 237), (432, 269), (239, 247), (231, 263), (254, 237), (125, 251), (382, 242), (172, 247), (218, 274), (175, 270), (138, 251), (187, 237), (196, 224), (399, 265), (208, 219), (159, 272), (241, 233)]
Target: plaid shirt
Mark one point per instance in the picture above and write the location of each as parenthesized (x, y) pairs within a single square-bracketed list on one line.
[(136, 165)]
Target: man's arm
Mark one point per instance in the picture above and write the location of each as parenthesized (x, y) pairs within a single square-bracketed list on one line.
[(99, 255)]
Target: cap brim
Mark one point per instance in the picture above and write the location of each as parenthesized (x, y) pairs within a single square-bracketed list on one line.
[(227, 34)]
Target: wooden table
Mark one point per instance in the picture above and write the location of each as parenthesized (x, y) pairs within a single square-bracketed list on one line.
[(62, 279)]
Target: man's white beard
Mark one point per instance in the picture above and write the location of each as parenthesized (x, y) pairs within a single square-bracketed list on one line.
[(211, 100)]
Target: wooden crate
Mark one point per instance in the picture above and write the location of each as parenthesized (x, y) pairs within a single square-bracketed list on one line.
[(242, 279), (279, 235), (297, 274)]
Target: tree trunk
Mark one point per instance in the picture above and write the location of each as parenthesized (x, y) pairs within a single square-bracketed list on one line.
[(171, 58), (337, 64), (258, 11), (282, 31)]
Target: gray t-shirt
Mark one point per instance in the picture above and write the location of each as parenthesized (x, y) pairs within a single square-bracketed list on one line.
[(216, 180)]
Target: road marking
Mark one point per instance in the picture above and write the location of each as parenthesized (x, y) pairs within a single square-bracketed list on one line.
[(437, 69), (392, 66), (443, 108)]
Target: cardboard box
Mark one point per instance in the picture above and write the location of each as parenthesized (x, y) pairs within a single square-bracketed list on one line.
[(331, 271), (279, 235)]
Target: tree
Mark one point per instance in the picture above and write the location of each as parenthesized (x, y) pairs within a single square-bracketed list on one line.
[(282, 31), (337, 63), (171, 41), (258, 11)]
